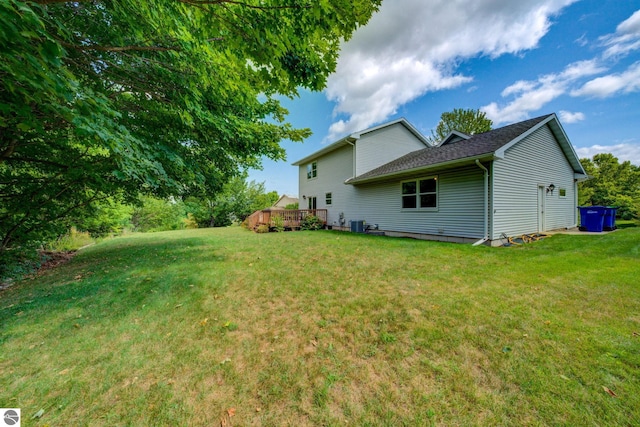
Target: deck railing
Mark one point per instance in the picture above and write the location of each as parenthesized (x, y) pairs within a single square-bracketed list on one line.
[(291, 218)]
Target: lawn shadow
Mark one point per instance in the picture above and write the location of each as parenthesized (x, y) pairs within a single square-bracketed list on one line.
[(624, 225), (115, 279)]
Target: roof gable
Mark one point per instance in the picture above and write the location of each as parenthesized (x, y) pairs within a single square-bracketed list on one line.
[(454, 136), (354, 137), (285, 200), (560, 135)]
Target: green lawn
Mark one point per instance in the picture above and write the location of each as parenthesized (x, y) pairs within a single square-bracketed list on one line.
[(327, 328)]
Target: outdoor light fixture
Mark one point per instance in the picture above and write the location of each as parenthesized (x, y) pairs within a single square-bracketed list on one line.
[(304, 197), (550, 188)]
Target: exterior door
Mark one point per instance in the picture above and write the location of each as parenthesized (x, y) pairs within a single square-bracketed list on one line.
[(541, 209), (313, 204)]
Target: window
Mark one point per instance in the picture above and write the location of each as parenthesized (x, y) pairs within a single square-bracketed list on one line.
[(327, 198), (421, 193), (312, 170), (562, 192)]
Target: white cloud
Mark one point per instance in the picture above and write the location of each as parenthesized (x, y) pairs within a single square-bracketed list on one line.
[(605, 86), (625, 151), (530, 96), (569, 117), (412, 47), (533, 95), (626, 38)]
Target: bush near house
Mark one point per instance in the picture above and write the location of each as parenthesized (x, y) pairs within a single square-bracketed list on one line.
[(311, 222)]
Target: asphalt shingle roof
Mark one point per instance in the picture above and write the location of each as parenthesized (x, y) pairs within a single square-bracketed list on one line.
[(476, 146)]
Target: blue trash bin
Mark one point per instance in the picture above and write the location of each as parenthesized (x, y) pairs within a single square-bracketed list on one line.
[(591, 218), (609, 218)]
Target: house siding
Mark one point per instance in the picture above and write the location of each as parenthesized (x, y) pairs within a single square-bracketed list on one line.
[(459, 212), (333, 169), (384, 145), (535, 161)]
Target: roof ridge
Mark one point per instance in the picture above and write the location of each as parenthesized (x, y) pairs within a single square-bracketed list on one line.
[(477, 146)]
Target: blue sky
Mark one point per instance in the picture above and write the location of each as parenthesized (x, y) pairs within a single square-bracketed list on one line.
[(511, 59)]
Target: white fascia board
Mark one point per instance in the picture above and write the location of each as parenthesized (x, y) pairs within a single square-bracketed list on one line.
[(451, 134), (403, 122), (561, 136), (356, 135), (567, 147), (348, 140), (500, 153)]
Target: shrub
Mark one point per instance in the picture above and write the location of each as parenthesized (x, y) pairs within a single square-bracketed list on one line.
[(264, 228), (158, 215), (190, 222), (71, 241), (17, 262), (278, 223), (311, 222)]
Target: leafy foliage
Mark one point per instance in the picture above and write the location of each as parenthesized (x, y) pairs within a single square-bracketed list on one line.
[(158, 215), (109, 99), (234, 202), (278, 223), (468, 121), (104, 218), (261, 229), (311, 222), (71, 241), (611, 184), (17, 262)]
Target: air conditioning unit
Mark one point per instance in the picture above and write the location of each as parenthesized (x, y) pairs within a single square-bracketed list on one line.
[(357, 226)]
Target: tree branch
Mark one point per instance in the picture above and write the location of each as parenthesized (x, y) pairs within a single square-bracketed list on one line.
[(118, 48), (32, 160), (239, 3), (7, 152)]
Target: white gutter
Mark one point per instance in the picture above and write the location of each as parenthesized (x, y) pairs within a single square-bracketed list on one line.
[(486, 204)]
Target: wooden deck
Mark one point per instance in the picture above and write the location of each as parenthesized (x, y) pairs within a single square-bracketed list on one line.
[(291, 218)]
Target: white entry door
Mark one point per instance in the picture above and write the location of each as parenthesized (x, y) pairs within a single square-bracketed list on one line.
[(541, 209)]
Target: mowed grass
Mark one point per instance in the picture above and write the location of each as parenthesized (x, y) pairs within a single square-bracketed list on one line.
[(207, 327)]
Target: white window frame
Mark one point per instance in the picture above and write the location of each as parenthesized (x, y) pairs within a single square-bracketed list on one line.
[(328, 198), (417, 194), (312, 170)]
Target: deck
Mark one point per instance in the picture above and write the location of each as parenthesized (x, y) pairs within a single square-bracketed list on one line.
[(291, 218)]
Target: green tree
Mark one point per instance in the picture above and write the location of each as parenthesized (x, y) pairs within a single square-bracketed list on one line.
[(154, 214), (105, 217), (611, 184), (468, 121), (237, 200), (157, 97)]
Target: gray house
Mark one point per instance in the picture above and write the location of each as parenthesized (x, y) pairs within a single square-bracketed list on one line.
[(514, 180)]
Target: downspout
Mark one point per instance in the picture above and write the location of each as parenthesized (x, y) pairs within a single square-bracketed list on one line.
[(342, 221), (353, 154), (486, 204), (575, 204)]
